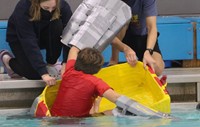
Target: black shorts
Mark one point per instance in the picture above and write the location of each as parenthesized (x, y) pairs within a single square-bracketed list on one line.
[(138, 44)]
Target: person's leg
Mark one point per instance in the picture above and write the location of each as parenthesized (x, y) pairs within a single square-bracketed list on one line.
[(114, 56), (65, 53), (5, 57), (20, 64), (160, 65), (51, 37), (115, 52)]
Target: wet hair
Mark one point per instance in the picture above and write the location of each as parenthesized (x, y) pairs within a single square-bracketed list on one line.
[(89, 61), (35, 13)]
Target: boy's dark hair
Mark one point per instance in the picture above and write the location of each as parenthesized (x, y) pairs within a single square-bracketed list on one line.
[(89, 61)]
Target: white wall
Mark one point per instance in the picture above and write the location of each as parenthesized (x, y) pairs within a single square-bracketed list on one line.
[(178, 7), (6, 8)]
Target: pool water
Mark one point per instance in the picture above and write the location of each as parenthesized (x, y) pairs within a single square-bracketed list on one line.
[(185, 116)]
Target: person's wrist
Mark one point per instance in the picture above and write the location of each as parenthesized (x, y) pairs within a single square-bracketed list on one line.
[(150, 51), (126, 48)]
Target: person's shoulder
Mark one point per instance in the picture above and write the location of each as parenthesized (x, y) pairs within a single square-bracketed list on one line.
[(63, 3), (23, 5), (64, 7)]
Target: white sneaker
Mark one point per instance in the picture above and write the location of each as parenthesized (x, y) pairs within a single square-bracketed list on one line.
[(55, 70), (5, 56)]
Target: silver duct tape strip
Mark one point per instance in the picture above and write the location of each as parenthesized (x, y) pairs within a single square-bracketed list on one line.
[(95, 23), (33, 106), (74, 23), (94, 28), (92, 3), (138, 109)]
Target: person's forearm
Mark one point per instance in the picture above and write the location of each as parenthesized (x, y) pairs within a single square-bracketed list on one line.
[(111, 95), (73, 52), (152, 37), (118, 44), (122, 33), (152, 32)]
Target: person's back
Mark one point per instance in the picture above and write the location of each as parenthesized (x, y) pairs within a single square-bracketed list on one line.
[(79, 87)]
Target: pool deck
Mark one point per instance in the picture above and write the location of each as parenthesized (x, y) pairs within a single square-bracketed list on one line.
[(182, 75), (174, 75), (8, 83), (18, 93)]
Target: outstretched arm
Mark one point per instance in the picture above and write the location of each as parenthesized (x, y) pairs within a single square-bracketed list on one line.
[(73, 53), (108, 94), (111, 95), (128, 104), (151, 40)]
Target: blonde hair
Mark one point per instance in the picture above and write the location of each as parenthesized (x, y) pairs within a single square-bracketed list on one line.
[(35, 10)]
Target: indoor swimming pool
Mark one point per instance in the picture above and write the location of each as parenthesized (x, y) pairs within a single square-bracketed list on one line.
[(185, 115)]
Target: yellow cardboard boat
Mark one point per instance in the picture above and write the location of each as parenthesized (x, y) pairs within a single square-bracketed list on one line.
[(137, 83)]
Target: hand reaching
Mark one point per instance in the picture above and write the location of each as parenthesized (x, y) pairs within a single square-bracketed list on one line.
[(95, 107), (148, 60), (48, 80), (130, 56)]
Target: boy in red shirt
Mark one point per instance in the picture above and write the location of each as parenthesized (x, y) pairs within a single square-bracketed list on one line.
[(79, 88)]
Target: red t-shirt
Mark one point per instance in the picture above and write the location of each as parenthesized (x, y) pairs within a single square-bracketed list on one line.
[(77, 93)]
